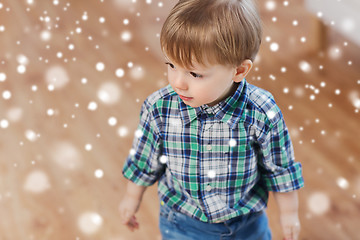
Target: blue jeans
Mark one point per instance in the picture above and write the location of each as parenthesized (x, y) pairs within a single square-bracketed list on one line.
[(177, 226)]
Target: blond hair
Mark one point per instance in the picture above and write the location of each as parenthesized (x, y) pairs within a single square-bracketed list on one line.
[(225, 32)]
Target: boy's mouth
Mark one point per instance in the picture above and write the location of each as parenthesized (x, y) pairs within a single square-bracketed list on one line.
[(185, 98)]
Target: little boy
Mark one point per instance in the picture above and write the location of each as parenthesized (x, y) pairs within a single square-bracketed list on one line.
[(215, 144)]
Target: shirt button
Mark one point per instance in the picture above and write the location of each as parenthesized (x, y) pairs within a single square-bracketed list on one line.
[(208, 147), (208, 188)]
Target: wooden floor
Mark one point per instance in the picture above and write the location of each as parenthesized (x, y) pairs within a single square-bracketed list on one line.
[(73, 75)]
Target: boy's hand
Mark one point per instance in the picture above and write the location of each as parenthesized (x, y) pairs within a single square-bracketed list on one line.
[(128, 207), (288, 205), (290, 225)]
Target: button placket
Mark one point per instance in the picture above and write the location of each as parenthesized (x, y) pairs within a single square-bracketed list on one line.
[(207, 151)]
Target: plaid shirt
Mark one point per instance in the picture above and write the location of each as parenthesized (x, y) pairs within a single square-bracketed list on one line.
[(214, 163)]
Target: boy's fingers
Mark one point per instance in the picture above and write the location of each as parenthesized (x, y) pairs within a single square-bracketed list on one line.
[(133, 224), (126, 217), (130, 222), (291, 233)]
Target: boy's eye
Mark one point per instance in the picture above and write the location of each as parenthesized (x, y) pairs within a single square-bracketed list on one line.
[(170, 65), (195, 75)]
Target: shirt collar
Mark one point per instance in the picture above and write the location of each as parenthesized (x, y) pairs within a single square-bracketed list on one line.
[(230, 111)]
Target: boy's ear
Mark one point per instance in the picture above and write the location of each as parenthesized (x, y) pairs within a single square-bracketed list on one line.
[(242, 70)]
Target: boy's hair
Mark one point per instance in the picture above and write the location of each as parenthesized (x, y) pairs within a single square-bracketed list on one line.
[(225, 32)]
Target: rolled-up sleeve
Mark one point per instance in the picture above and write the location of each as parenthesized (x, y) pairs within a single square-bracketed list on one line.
[(142, 166), (279, 170)]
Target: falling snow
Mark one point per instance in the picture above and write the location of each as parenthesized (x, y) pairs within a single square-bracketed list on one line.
[(163, 159), (92, 106), (100, 66), (119, 72), (319, 203), (109, 93), (90, 222), (232, 143), (211, 173), (88, 147), (126, 36), (112, 121), (305, 66), (4, 123), (138, 133), (37, 182), (274, 47), (123, 131), (2, 77), (99, 173), (66, 155)]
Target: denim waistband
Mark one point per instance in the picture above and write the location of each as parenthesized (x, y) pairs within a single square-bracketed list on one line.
[(165, 209)]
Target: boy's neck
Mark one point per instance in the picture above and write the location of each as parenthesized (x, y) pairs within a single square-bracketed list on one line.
[(231, 92)]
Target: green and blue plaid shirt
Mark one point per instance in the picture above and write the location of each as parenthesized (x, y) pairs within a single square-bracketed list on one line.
[(214, 163)]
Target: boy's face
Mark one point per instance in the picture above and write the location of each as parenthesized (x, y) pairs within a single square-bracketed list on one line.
[(202, 85)]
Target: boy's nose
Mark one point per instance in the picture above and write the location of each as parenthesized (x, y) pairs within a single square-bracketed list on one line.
[(180, 82)]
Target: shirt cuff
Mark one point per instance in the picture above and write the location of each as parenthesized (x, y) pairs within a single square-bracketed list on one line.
[(134, 174), (288, 180)]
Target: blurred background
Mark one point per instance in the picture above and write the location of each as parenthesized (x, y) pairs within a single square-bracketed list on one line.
[(74, 73)]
